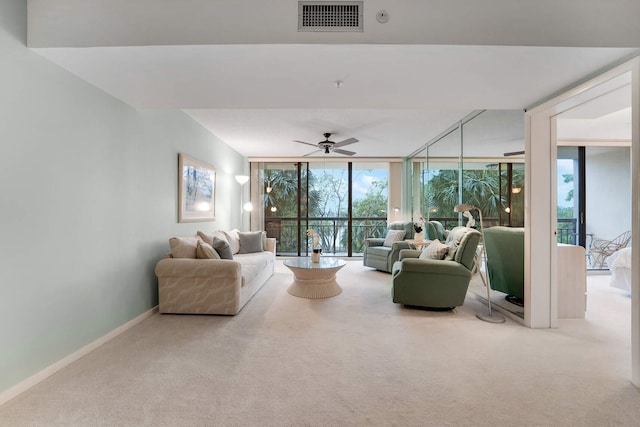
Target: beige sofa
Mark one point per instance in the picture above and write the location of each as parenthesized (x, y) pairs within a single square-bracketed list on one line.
[(189, 285)]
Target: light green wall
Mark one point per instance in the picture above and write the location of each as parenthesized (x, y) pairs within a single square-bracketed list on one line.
[(87, 201)]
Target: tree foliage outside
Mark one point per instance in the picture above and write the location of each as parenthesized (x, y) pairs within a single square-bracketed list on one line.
[(567, 224), (327, 198), (480, 187)]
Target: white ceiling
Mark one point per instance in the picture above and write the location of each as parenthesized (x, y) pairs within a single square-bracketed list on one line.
[(243, 70), (394, 98)]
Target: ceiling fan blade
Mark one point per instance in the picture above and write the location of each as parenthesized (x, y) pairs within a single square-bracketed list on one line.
[(345, 152), (313, 152), (346, 142), (306, 143), (513, 153)]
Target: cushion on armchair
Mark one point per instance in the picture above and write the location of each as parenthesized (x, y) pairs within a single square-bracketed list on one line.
[(435, 250), (393, 236), (407, 226)]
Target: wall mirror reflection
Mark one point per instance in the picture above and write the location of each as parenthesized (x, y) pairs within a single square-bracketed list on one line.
[(478, 161)]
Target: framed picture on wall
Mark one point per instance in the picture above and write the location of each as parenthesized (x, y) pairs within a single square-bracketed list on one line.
[(196, 190)]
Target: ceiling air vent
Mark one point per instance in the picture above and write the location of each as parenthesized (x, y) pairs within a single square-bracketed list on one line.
[(330, 16)]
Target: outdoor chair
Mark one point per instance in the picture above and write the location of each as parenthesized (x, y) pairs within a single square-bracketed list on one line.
[(601, 249)]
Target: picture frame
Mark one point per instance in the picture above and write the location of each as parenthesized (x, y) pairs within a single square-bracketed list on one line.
[(196, 190)]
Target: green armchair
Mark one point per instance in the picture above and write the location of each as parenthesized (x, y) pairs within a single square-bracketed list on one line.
[(505, 261), (382, 257), (435, 230), (440, 284)]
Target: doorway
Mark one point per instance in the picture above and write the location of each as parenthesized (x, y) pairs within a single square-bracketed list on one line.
[(594, 200), (541, 220)]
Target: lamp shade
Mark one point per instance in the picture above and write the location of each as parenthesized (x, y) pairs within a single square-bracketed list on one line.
[(242, 179), (463, 208)]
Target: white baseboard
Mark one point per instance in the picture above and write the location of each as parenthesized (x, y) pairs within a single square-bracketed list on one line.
[(23, 386)]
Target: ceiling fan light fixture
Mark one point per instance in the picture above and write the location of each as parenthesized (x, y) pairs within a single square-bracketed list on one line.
[(327, 146)]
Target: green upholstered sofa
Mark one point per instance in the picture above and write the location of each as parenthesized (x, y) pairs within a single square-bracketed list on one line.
[(505, 260), (436, 283), (382, 257)]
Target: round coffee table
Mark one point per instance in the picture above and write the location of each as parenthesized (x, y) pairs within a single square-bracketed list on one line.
[(314, 279)]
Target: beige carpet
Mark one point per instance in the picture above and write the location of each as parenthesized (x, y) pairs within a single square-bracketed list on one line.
[(352, 360)]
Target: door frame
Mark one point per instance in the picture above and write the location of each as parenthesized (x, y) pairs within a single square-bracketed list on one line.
[(541, 287)]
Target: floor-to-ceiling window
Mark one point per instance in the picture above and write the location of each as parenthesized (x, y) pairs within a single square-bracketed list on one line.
[(284, 203), (369, 203), (343, 202)]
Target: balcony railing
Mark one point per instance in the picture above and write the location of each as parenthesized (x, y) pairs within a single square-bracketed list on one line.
[(332, 231), (567, 231)]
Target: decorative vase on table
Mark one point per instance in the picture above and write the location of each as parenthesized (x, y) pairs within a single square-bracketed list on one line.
[(315, 246), (315, 256)]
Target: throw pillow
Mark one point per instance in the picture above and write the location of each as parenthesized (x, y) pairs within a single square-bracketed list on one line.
[(435, 250), (393, 236), (184, 247), (234, 240), (208, 237), (206, 251), (222, 247), (453, 240), (250, 242)]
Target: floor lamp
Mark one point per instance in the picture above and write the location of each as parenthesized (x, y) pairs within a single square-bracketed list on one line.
[(242, 180), (491, 317)]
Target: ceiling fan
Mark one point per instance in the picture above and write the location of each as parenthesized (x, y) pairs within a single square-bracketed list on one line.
[(329, 146)]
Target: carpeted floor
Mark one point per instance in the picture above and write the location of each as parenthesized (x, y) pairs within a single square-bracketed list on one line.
[(353, 360)]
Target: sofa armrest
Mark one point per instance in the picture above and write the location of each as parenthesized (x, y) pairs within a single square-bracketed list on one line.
[(270, 245), (409, 253), (199, 286), (398, 246), (373, 241)]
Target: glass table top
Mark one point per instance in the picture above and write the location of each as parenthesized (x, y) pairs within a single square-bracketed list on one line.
[(305, 262)]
